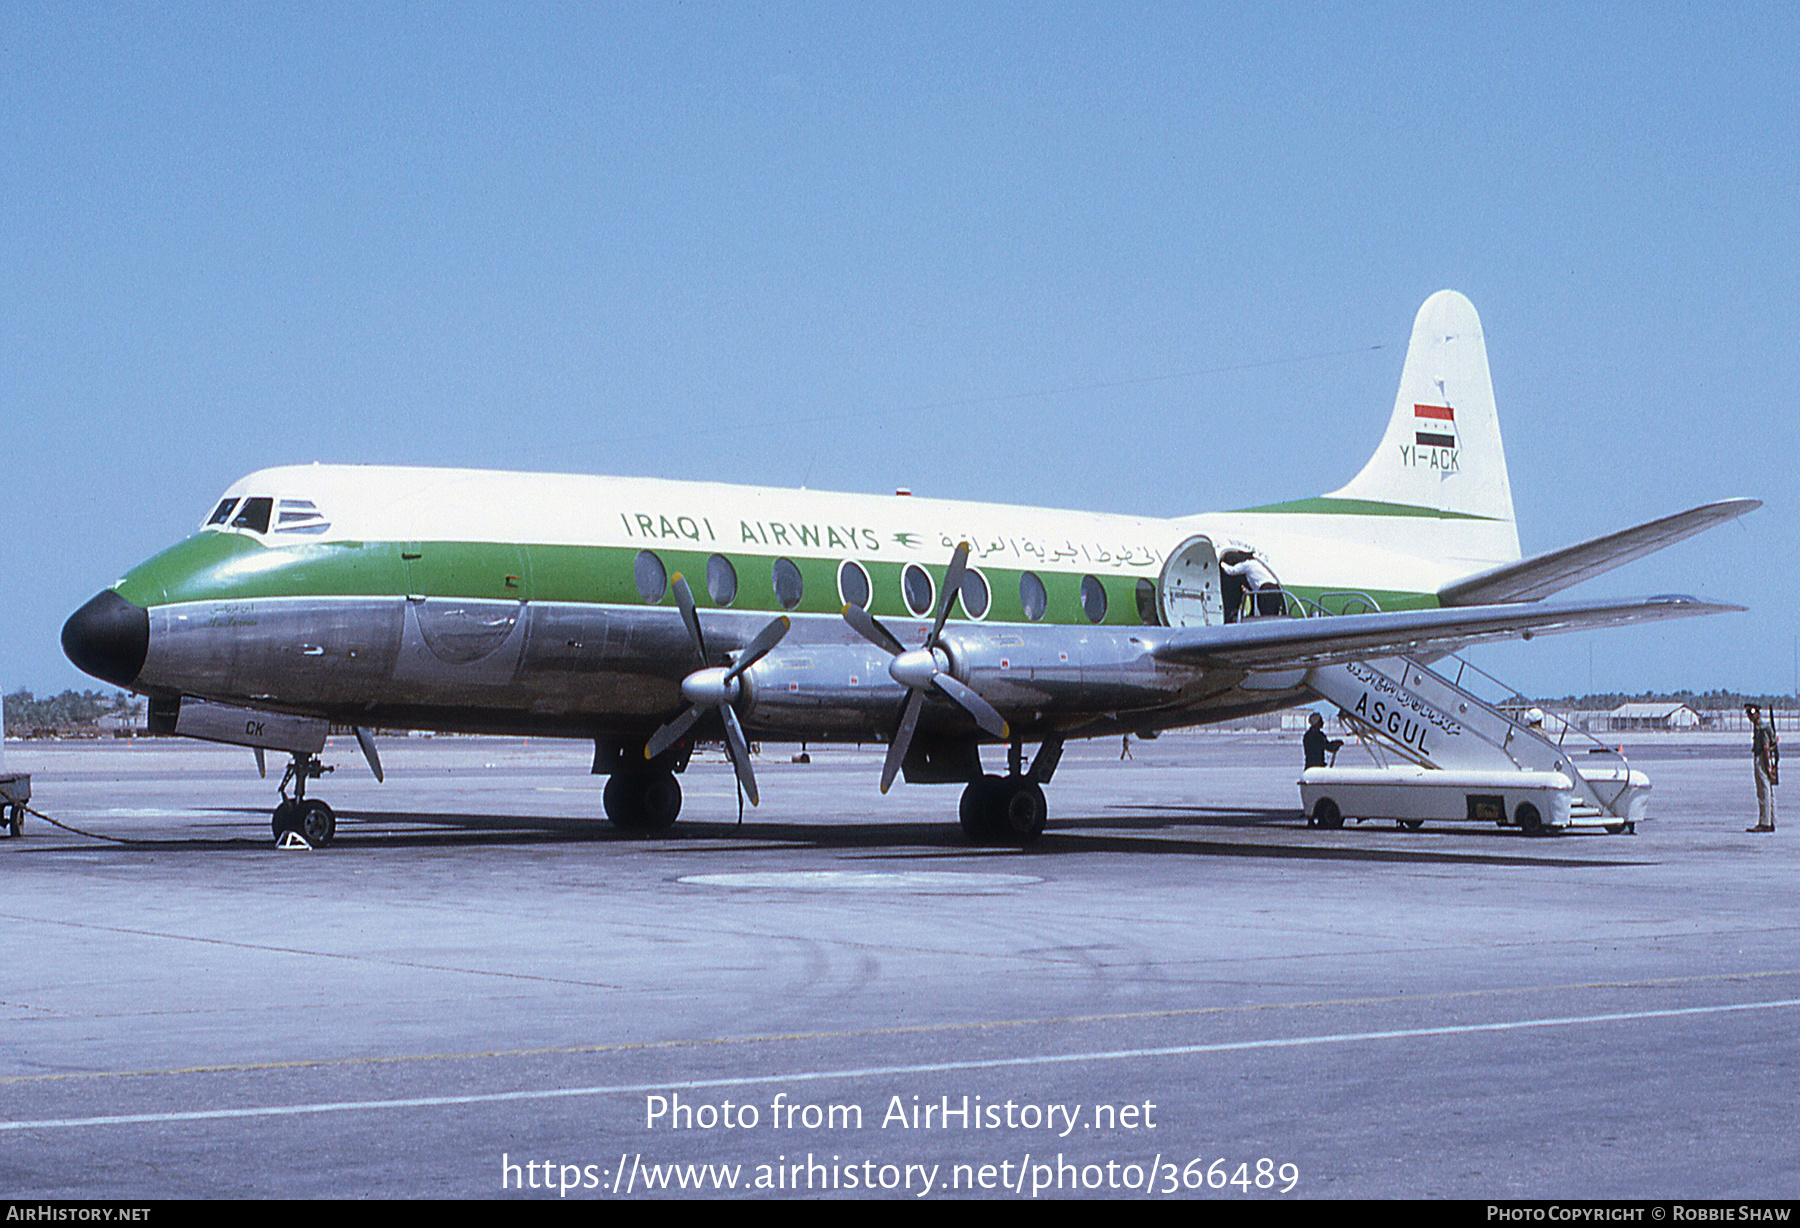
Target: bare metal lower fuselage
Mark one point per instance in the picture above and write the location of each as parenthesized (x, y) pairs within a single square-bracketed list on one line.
[(585, 670)]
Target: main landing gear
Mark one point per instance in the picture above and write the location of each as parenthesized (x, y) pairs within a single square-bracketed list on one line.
[(1003, 810), (643, 803), (1010, 809), (313, 820)]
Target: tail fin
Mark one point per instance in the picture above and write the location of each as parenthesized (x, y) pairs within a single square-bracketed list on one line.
[(1442, 452)]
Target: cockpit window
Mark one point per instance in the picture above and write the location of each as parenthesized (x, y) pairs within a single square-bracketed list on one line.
[(254, 515), (300, 516), (222, 512)]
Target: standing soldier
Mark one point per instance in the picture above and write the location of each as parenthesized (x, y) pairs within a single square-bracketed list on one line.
[(1766, 749)]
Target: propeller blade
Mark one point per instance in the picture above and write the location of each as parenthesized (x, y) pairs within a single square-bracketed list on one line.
[(953, 578), (759, 647), (671, 733), (367, 742), (739, 750), (896, 755), (684, 598), (865, 625), (974, 705), (262, 764)]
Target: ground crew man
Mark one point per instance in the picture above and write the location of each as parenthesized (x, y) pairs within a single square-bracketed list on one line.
[(1316, 744), (1255, 580), (1765, 749)]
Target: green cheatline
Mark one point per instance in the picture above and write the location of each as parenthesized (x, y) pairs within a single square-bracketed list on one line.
[(1322, 505), (232, 566)]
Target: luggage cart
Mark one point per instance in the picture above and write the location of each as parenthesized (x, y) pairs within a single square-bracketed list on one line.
[(15, 792)]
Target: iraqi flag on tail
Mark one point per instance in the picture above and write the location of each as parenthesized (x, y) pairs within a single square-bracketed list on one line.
[(1434, 426)]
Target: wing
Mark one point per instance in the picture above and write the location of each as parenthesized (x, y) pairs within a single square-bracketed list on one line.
[(1301, 643), (1543, 574)]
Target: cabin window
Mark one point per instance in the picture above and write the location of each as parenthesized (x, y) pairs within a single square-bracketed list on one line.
[(222, 513), (789, 587), (915, 586), (1032, 596), (721, 580), (974, 594), (853, 583), (1146, 602), (652, 578), (1093, 598), (254, 515)]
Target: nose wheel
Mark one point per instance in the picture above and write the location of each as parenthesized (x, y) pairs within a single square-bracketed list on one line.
[(311, 819)]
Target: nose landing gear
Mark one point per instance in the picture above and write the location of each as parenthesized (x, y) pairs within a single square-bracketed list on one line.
[(312, 820)]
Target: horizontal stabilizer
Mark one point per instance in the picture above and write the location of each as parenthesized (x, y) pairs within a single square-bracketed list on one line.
[(1543, 574), (1303, 643)]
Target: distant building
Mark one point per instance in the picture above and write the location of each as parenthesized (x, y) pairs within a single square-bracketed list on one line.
[(1661, 716)]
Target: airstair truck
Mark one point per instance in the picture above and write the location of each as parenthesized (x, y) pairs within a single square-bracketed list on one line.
[(1409, 795), (15, 788), (1442, 752)]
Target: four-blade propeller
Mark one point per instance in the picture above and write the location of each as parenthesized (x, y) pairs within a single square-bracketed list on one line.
[(920, 669), (716, 686)]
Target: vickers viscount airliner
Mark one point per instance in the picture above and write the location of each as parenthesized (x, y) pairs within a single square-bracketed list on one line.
[(644, 615)]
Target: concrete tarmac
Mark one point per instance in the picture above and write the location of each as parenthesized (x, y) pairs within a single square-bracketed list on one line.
[(480, 978)]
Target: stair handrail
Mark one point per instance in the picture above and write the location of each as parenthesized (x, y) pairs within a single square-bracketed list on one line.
[(1370, 605), (1310, 607), (1598, 746)]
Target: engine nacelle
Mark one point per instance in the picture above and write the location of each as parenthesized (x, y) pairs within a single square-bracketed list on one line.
[(1028, 673), (806, 691)]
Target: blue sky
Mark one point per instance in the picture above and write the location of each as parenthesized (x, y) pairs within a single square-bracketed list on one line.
[(830, 244)]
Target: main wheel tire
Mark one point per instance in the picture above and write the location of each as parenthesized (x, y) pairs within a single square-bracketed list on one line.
[(1020, 811), (15, 822), (662, 801), (1411, 824), (316, 823), (1326, 814), (286, 817), (976, 809), (1615, 829), (1528, 819), (643, 803)]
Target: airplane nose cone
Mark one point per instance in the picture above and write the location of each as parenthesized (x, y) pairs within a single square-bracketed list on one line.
[(108, 638)]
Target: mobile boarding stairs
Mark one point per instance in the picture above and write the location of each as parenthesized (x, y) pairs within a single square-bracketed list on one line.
[(1443, 752)]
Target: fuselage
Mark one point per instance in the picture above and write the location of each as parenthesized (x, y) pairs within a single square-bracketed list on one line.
[(519, 602)]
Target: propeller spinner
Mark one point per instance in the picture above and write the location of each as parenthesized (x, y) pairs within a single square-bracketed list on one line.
[(920, 669), (716, 687)]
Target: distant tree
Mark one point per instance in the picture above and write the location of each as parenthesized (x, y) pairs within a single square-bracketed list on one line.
[(27, 714), (1704, 701)]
